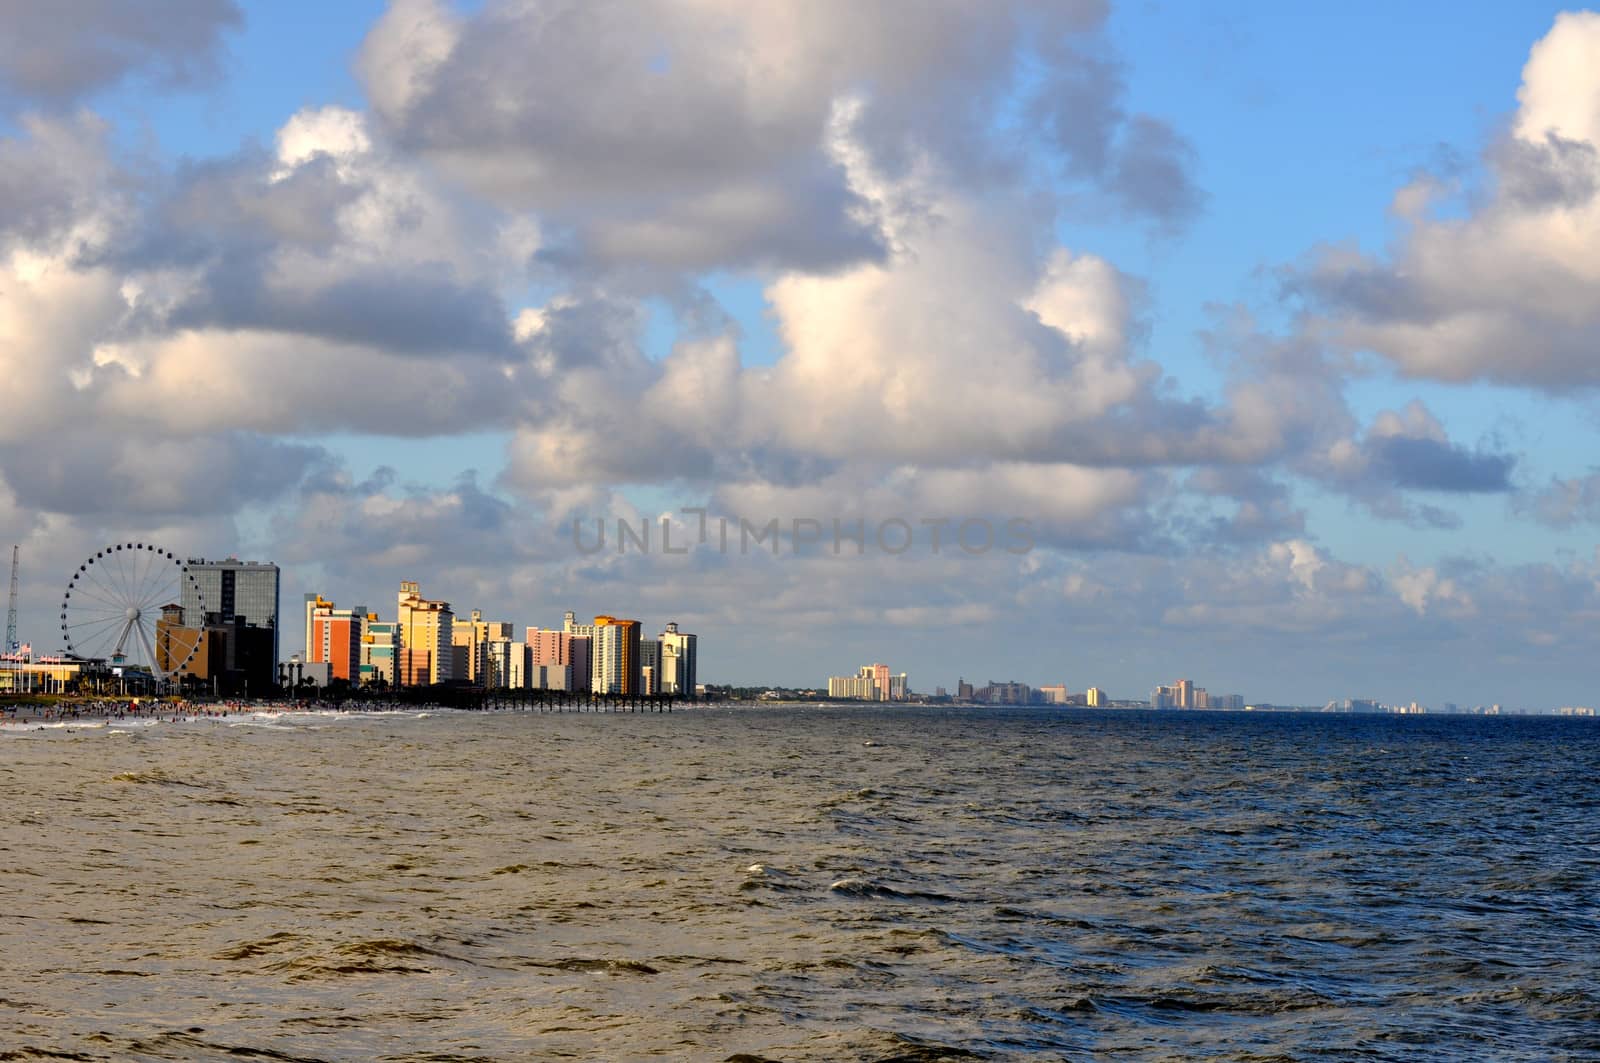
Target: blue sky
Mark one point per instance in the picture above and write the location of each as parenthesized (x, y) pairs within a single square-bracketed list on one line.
[(390, 292)]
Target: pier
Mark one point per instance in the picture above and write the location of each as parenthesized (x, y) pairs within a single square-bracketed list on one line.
[(536, 700)]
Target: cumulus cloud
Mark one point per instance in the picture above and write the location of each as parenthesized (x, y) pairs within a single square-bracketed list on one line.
[(329, 237), (1565, 501), (963, 347), (1503, 292), (54, 54), (182, 322), (694, 135), (1286, 408), (51, 176), (1424, 590), (967, 368), (269, 291)]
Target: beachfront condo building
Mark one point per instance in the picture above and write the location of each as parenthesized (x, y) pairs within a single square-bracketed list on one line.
[(333, 636), (426, 638), (380, 646), (473, 636), (679, 650), (558, 660), (649, 666), (613, 653), (505, 664)]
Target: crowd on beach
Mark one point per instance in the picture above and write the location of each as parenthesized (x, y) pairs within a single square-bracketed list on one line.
[(174, 710)]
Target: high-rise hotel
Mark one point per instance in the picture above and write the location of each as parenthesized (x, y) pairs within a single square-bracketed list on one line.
[(470, 641), (335, 636), (426, 638), (613, 653), (678, 662)]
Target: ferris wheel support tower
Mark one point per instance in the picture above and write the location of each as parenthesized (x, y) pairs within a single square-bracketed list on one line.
[(11, 609)]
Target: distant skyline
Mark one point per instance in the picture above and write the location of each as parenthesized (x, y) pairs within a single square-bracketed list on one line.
[(1275, 325)]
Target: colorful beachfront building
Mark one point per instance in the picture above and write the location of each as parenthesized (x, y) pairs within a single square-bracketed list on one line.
[(614, 652), (559, 659), (333, 636), (380, 650), (426, 638)]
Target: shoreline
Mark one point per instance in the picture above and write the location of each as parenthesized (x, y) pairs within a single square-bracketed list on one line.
[(118, 710)]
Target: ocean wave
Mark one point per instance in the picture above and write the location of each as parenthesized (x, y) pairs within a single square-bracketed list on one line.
[(865, 888), (154, 777)]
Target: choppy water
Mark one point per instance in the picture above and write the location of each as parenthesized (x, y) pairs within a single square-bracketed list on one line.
[(827, 884)]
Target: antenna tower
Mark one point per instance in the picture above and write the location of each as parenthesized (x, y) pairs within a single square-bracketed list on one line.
[(11, 610)]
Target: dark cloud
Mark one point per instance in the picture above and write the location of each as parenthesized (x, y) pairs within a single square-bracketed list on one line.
[(1555, 172), (55, 53), (1263, 511), (1141, 163), (1424, 464), (410, 310), (1153, 173), (1358, 285), (165, 475), (212, 207), (1078, 106), (805, 218)]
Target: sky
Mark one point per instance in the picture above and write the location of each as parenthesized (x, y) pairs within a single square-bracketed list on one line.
[(1269, 328)]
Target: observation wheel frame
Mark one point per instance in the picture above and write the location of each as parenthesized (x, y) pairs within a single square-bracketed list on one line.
[(115, 603)]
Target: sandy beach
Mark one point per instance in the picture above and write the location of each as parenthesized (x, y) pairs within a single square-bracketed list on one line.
[(101, 711)]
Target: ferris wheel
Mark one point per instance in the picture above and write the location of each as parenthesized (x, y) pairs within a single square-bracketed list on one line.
[(126, 605)]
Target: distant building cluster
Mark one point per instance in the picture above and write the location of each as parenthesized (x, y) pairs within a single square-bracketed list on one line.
[(427, 644), (1448, 708), (872, 682), (1185, 695), (1015, 693)]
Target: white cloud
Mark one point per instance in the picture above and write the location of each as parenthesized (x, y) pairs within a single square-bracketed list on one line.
[(695, 134), (1425, 590), (959, 349), (1505, 292)]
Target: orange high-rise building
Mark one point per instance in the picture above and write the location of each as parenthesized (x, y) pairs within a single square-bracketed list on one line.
[(334, 635)]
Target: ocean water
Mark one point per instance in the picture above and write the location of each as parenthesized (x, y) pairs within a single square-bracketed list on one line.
[(820, 884)]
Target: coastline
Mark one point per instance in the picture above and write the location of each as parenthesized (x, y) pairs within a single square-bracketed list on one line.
[(108, 711)]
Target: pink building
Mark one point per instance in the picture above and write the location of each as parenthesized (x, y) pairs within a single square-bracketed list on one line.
[(549, 646)]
